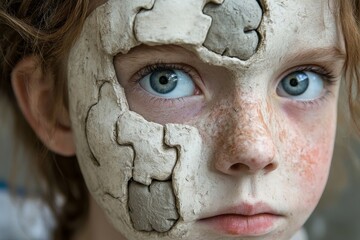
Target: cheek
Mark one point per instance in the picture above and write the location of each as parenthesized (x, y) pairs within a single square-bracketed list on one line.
[(307, 151)]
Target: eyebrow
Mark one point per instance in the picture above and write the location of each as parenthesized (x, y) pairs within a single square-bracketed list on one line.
[(142, 52), (318, 55)]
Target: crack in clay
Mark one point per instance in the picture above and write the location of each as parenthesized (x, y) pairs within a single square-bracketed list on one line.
[(140, 203), (156, 160), (117, 33), (92, 156), (112, 196), (153, 160), (94, 159), (129, 144), (187, 141), (234, 27), (97, 130)]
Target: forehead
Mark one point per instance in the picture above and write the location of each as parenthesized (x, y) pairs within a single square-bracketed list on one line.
[(236, 29), (301, 25)]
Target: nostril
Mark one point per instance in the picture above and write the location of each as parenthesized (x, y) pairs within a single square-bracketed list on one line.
[(270, 167), (239, 167)]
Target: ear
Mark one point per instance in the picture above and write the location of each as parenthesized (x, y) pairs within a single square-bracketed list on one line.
[(33, 90)]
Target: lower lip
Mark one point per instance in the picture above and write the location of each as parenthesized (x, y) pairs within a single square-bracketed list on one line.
[(240, 225)]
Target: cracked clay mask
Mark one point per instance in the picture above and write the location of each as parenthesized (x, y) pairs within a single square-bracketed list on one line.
[(204, 119)]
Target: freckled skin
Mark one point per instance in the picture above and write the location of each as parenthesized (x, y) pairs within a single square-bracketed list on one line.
[(243, 142), (255, 145), (240, 127)]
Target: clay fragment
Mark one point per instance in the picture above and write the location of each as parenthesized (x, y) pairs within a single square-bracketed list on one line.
[(112, 164), (173, 22), (233, 31), (117, 34), (153, 159), (188, 142), (152, 208)]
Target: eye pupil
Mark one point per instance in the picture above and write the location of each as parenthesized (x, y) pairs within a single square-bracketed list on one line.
[(163, 80), (294, 82), (168, 82), (302, 85)]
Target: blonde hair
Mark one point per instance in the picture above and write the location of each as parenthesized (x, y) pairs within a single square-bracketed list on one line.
[(349, 17), (48, 29)]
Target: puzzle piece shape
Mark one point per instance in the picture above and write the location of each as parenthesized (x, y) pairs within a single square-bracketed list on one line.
[(153, 159), (117, 33), (188, 142), (152, 208), (113, 164), (173, 22), (233, 31)]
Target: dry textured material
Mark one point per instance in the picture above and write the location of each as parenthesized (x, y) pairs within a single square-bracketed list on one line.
[(234, 26), (175, 22), (97, 103), (114, 159), (117, 28), (153, 160), (116, 146), (188, 142), (152, 208), (98, 106)]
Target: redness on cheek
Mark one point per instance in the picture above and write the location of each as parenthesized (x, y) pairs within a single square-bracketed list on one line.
[(309, 162), (310, 159), (312, 136)]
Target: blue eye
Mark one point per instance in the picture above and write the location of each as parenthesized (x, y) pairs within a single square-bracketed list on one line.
[(301, 85), (168, 83)]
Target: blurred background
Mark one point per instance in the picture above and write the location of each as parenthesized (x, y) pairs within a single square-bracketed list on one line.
[(336, 218)]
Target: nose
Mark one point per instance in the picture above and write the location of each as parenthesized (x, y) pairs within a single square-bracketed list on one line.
[(245, 144)]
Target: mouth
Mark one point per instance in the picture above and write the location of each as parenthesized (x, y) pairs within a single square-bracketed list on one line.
[(245, 220)]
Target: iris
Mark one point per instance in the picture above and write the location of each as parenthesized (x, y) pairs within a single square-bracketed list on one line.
[(163, 81), (296, 83)]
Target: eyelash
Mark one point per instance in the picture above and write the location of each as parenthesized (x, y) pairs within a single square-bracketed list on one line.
[(151, 67), (329, 78), (161, 66), (327, 75)]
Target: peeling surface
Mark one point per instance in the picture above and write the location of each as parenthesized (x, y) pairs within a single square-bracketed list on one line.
[(117, 32), (152, 208), (189, 144), (166, 23), (234, 26), (114, 158), (110, 135), (153, 159)]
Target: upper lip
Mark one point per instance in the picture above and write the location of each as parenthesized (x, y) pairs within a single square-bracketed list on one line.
[(247, 210)]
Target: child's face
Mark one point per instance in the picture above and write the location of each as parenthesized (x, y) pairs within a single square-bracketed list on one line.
[(189, 131)]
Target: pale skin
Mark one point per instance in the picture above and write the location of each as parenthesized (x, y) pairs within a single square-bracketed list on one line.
[(269, 146)]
